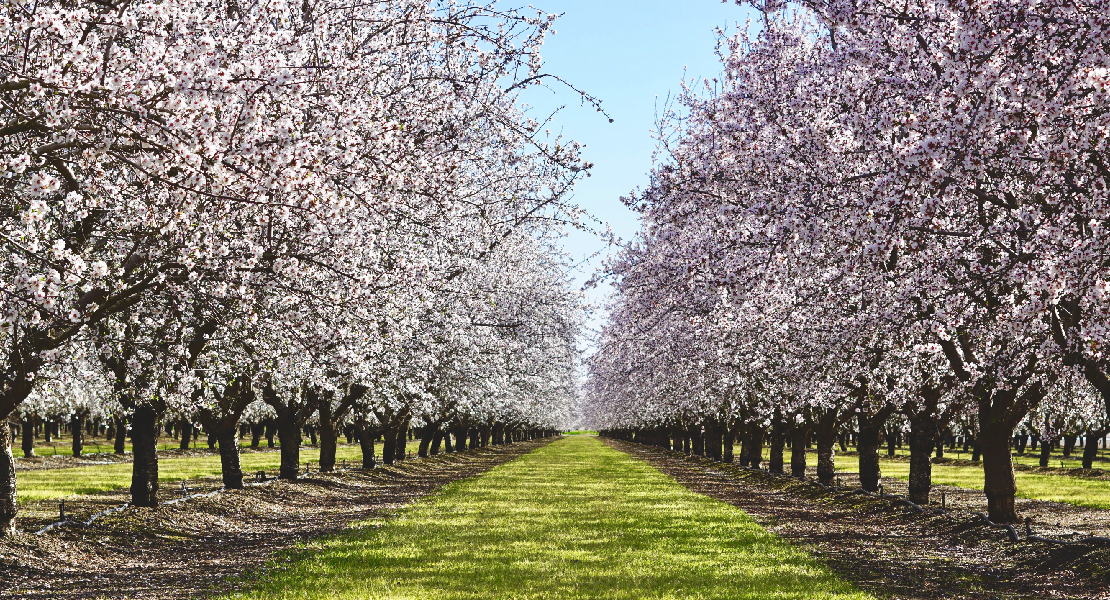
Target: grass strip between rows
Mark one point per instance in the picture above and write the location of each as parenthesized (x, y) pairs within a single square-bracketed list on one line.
[(63, 483), (573, 519)]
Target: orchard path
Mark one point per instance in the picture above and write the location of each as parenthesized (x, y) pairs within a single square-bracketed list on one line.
[(572, 519)]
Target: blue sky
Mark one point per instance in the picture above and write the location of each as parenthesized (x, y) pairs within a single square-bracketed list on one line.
[(631, 55)]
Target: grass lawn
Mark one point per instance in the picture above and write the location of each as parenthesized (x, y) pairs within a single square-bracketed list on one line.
[(63, 446), (574, 519), (60, 483), (1060, 488)]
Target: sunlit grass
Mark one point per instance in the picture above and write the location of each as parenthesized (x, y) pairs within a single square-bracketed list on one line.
[(574, 519), (1094, 493), (61, 483), (1030, 458)]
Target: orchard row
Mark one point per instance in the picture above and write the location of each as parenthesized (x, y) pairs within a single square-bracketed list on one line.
[(888, 218), (226, 212)]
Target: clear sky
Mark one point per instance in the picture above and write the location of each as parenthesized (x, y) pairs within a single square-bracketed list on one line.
[(630, 54)]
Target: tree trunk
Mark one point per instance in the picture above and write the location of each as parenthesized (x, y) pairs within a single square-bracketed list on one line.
[(498, 434), (437, 441), (448, 448), (870, 473), (826, 445), (713, 440), (778, 442), (1069, 445), (366, 442), (8, 505), (77, 425), (698, 441), (121, 434), (426, 434), (798, 451), (460, 439), (1090, 447), (755, 447), (402, 440), (389, 445), (999, 484), (144, 449), (728, 454), (28, 437), (923, 438), (1046, 452), (329, 438), (228, 435), (186, 434), (745, 444), (289, 434)]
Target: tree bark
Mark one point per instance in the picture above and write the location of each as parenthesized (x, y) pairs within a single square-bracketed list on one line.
[(8, 501), (755, 447), (289, 434), (329, 438), (437, 441), (186, 433), (228, 435), (1046, 452), (77, 425), (402, 439), (870, 434), (366, 441), (713, 440), (923, 438), (389, 445), (426, 434), (144, 449), (798, 451), (826, 445), (1090, 447), (999, 484), (28, 437), (728, 454), (120, 445), (778, 442)]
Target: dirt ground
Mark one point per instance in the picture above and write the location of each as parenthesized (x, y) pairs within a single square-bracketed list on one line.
[(894, 553), (204, 546)]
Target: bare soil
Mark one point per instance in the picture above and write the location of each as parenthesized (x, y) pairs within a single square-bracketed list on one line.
[(894, 553), (206, 546)]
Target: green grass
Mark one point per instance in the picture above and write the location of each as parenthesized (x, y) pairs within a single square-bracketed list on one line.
[(574, 519), (581, 432), (1030, 458), (63, 446), (61, 483), (1072, 490)]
